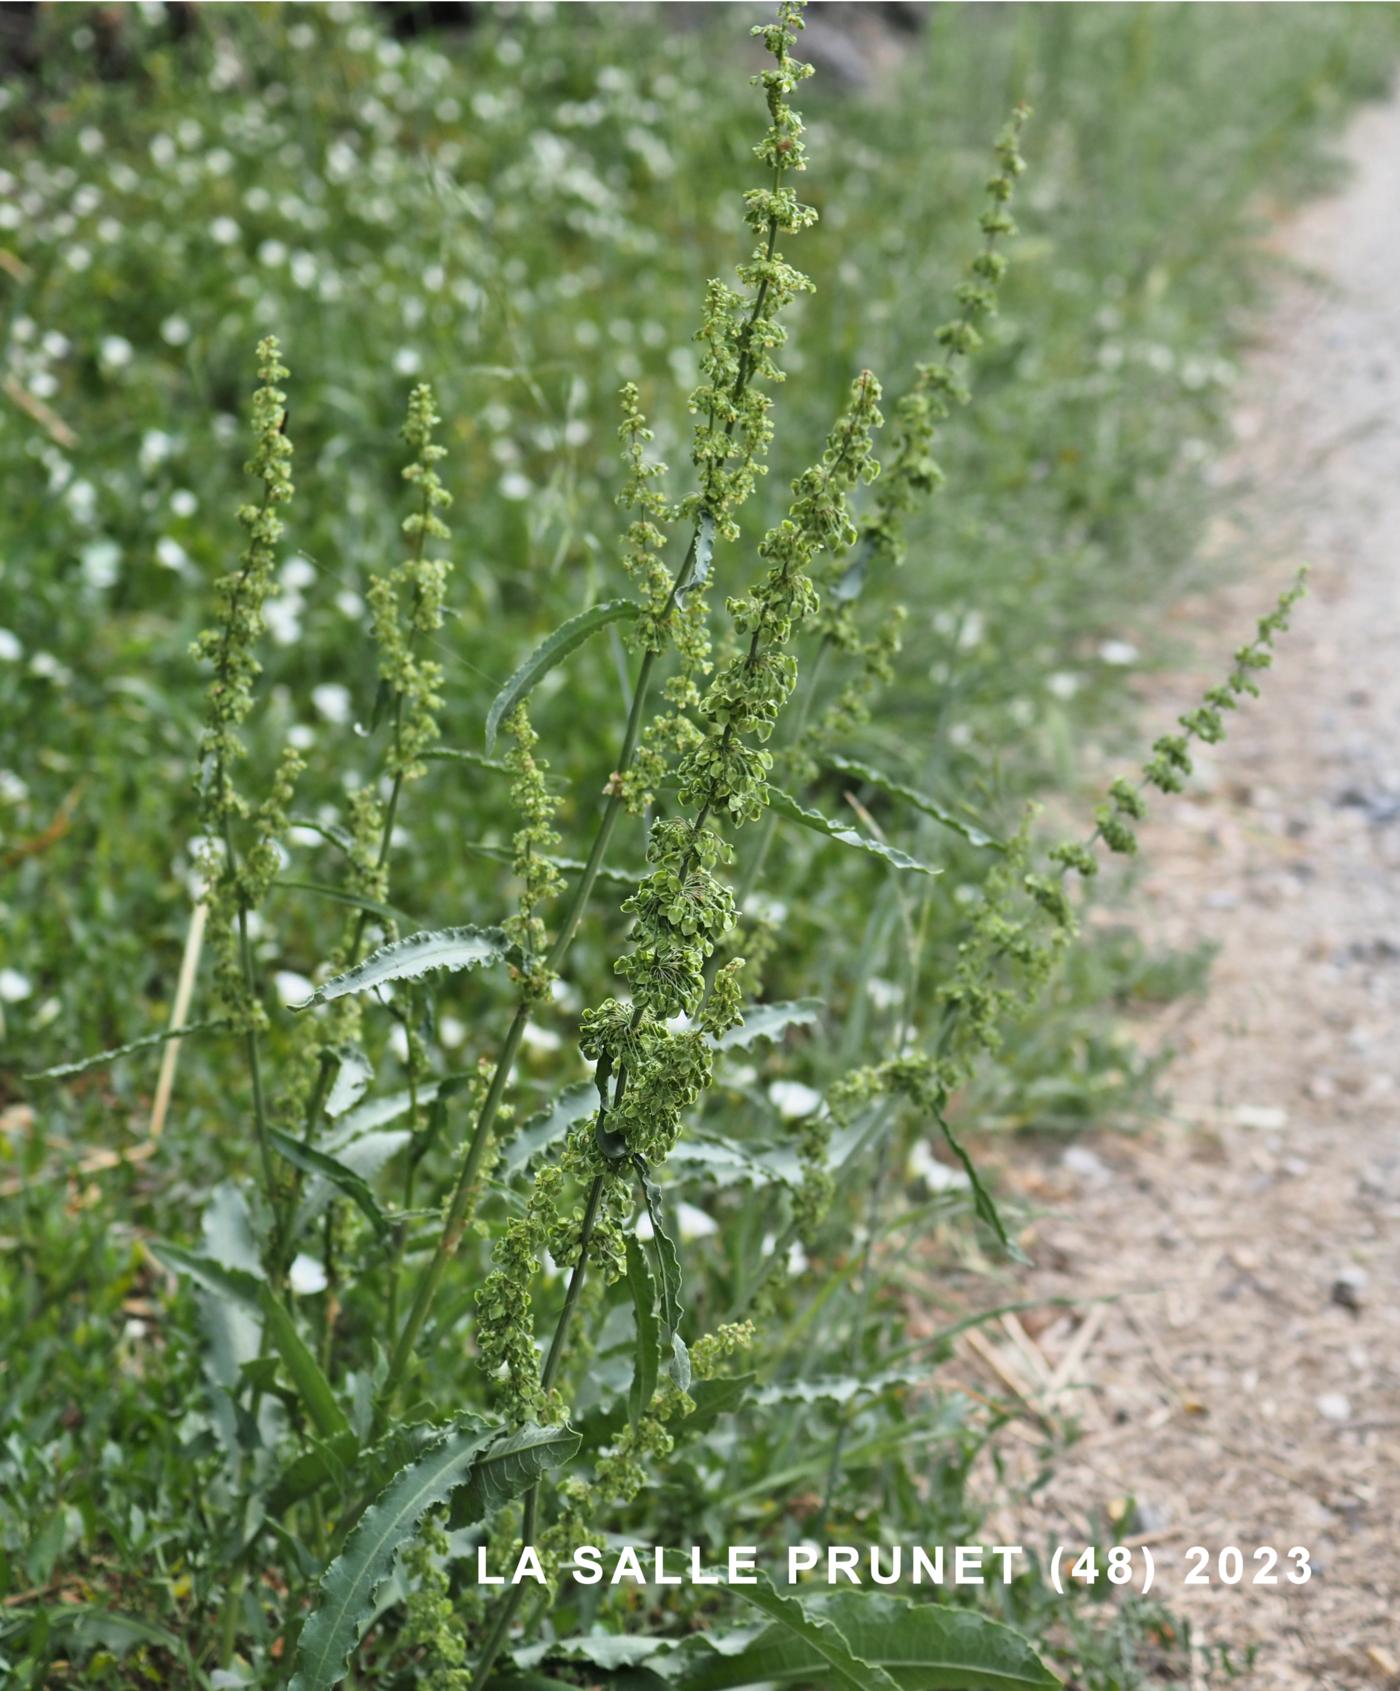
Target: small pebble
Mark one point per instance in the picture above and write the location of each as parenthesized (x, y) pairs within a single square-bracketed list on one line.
[(1087, 1164), (1266, 1116), (1334, 1406)]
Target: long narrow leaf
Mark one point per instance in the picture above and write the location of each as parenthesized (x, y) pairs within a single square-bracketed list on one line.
[(668, 1264), (460, 754), (920, 801), (648, 1331), (344, 1178), (61, 1071), (546, 1127), (342, 895), (981, 1197), (418, 954), (611, 873), (552, 650), (783, 804), (344, 1601)]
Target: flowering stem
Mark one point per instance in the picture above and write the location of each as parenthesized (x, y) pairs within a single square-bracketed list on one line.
[(460, 1204), (511, 1601)]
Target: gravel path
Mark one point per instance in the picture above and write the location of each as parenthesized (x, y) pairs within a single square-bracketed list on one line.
[(1244, 1387)]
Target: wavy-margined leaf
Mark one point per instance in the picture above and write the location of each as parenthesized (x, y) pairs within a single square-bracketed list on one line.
[(981, 1197), (344, 1178), (833, 1388), (819, 1638), (460, 754), (702, 560), (344, 1601), (552, 650), (648, 1350), (785, 805), (769, 1021), (247, 1289), (611, 873), (353, 1073), (920, 801), (509, 1468), (61, 1071), (725, 1162), (917, 1646), (418, 954), (341, 1462), (546, 1127), (668, 1264)]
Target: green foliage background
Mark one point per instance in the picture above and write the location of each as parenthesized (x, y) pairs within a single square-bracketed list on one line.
[(525, 213)]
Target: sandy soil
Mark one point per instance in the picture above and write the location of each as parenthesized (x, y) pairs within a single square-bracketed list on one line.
[(1244, 1386)]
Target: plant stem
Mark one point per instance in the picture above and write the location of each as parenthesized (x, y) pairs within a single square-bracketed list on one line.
[(245, 951), (459, 1205)]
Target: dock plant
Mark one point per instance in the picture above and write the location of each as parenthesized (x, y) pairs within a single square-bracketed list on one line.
[(452, 1315)]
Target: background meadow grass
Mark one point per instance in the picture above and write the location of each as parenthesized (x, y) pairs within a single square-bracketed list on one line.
[(525, 213)]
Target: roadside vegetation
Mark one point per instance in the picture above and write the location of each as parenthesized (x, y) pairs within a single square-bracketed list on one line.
[(544, 587)]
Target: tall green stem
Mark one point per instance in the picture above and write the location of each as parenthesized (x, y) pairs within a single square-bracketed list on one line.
[(459, 1205)]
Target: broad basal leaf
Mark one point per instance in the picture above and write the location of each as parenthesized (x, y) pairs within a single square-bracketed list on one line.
[(418, 954), (819, 1637), (918, 1645), (783, 804), (920, 801), (552, 650)]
